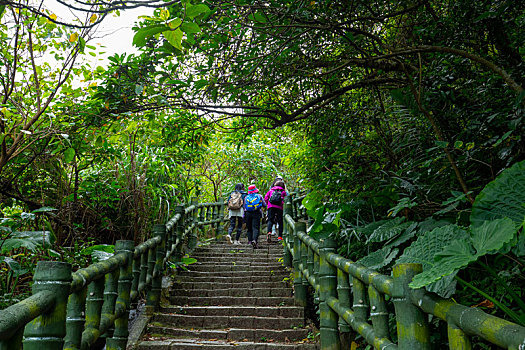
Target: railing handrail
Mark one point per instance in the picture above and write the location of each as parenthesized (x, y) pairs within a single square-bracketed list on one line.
[(308, 257), (113, 284)]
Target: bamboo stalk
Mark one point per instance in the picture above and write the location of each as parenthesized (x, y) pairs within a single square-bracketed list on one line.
[(328, 289), (76, 319), (153, 297), (412, 327), (121, 333), (299, 288), (48, 330)]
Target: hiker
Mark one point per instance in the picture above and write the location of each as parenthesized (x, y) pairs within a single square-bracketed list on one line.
[(275, 227), (253, 204), (277, 179), (275, 201), (236, 212)]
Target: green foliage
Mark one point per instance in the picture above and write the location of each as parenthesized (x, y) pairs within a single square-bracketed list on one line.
[(388, 230), (485, 239), (379, 258), (503, 197), (31, 240), (183, 264)]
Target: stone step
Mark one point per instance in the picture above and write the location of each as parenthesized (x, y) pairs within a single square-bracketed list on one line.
[(246, 273), (241, 252), (196, 344), (244, 240), (257, 267), (228, 300), (230, 279), (222, 322), (234, 292), (218, 285), (237, 259), (238, 310), (244, 244), (239, 334), (240, 249)]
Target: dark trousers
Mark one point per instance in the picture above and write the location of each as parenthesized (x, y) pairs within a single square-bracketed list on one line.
[(253, 224), (275, 217), (233, 221)]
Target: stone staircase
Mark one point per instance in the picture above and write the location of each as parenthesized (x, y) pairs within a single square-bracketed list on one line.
[(233, 297)]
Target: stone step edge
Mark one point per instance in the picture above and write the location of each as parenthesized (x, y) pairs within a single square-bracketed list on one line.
[(175, 343), (215, 331)]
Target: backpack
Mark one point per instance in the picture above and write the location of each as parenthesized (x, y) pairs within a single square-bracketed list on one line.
[(235, 202), (252, 202), (276, 197)]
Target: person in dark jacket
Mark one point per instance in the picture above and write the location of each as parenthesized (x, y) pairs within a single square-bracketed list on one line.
[(275, 208), (236, 215)]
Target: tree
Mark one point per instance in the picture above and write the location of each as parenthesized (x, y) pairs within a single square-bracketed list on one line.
[(275, 62)]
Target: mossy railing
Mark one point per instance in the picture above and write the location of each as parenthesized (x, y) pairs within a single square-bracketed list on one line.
[(73, 310), (353, 297)]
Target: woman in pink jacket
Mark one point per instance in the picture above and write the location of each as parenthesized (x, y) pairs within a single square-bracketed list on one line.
[(275, 201)]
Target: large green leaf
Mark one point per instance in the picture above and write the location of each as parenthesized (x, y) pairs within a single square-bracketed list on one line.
[(454, 257), (31, 240), (143, 33), (379, 258), (492, 235), (486, 239), (407, 234), (388, 230), (174, 37), (13, 265), (371, 227), (503, 197), (423, 250), (195, 10)]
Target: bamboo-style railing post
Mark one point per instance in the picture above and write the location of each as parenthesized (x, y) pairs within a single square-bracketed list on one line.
[(304, 263), (222, 207), (360, 301), (457, 339), (310, 263), (378, 312), (192, 239), (299, 288), (412, 327), (317, 260), (136, 280), (343, 294), (328, 288), (108, 307), (48, 330), (153, 297), (169, 241), (287, 233), (152, 259), (215, 216), (179, 230), (294, 205), (143, 271), (202, 213), (76, 319), (121, 333), (207, 216), (94, 300)]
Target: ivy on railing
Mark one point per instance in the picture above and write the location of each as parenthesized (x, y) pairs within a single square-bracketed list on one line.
[(74, 310), (350, 295)]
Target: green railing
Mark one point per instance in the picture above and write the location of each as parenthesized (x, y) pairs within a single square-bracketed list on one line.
[(73, 310), (353, 297)]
